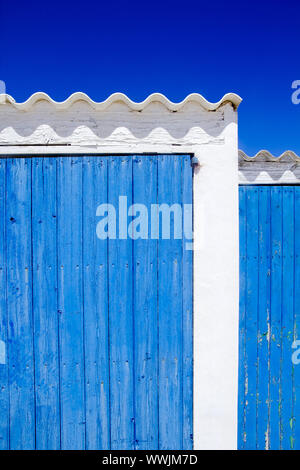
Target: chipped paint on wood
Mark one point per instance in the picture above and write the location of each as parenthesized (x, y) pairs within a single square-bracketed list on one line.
[(99, 349), (269, 384)]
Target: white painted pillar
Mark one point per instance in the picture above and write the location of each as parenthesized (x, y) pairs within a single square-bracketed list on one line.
[(216, 291)]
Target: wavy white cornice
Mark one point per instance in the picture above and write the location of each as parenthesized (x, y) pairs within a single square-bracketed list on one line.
[(120, 97), (265, 168), (266, 156)]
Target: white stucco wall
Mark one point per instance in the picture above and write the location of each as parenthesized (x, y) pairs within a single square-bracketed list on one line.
[(210, 133)]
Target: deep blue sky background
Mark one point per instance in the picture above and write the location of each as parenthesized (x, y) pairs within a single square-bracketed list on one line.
[(212, 47)]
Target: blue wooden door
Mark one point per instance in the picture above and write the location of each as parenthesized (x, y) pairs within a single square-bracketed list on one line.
[(269, 369), (96, 334)]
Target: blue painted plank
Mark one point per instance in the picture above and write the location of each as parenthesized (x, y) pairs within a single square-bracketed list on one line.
[(4, 383), (121, 312), (44, 253), (187, 308), (251, 318), (287, 326), (145, 308), (93, 325), (242, 314), (19, 304), (278, 321), (296, 368), (263, 318), (276, 304), (70, 302), (95, 306), (170, 311)]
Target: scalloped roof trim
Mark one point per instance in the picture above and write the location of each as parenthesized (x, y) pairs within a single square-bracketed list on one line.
[(266, 156), (117, 97)]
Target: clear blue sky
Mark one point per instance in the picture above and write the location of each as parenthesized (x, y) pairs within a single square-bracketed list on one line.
[(212, 47)]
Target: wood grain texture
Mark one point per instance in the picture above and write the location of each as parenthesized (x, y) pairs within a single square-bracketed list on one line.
[(19, 304), (98, 332), (45, 314), (145, 311), (251, 318), (289, 290), (276, 315), (4, 364), (170, 305), (121, 313), (70, 303), (187, 312), (95, 282), (242, 316), (269, 322), (296, 385), (264, 300)]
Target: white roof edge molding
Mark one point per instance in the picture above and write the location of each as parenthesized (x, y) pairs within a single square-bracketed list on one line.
[(232, 98), (266, 156), (265, 168)]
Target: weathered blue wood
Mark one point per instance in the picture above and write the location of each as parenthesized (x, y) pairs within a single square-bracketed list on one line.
[(44, 261), (4, 384), (95, 252), (278, 379), (121, 322), (99, 339), (170, 312), (276, 306), (242, 315), (19, 304), (263, 371), (296, 368), (70, 302), (145, 309), (187, 311), (287, 325), (251, 319)]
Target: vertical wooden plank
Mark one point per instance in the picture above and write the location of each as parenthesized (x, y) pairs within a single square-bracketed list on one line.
[(187, 311), (276, 304), (121, 325), (277, 378), (296, 389), (145, 308), (251, 318), (170, 312), (242, 315), (19, 304), (287, 326), (4, 390), (95, 306), (45, 302), (263, 319), (70, 301)]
